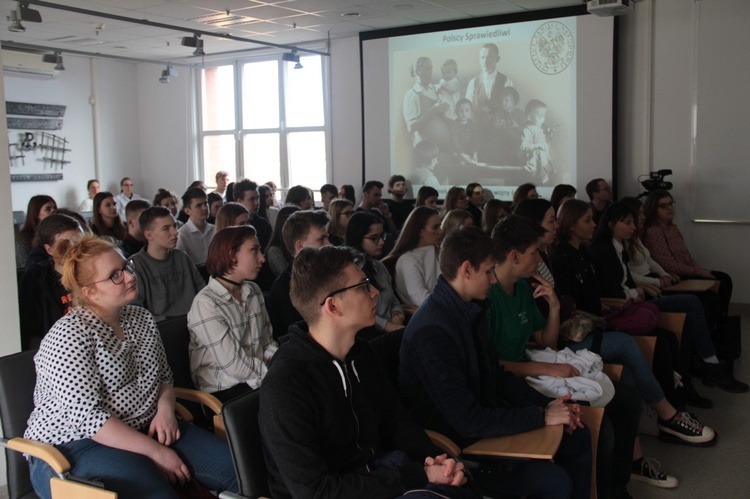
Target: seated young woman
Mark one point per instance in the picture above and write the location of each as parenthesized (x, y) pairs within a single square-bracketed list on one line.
[(339, 212), (107, 220), (104, 395), (455, 219), (427, 196), (230, 331), (494, 211), (42, 299), (415, 256), (575, 276), (455, 199), (365, 233), (231, 214), (38, 209), (610, 258), (667, 246), (276, 254)]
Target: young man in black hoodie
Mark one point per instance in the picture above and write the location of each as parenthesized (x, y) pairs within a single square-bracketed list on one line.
[(331, 424)]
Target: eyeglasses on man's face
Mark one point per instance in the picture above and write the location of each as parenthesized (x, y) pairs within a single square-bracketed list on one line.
[(118, 276), (365, 283)]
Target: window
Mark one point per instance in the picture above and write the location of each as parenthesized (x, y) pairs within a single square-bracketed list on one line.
[(265, 120)]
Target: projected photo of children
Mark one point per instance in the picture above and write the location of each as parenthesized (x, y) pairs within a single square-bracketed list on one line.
[(488, 115)]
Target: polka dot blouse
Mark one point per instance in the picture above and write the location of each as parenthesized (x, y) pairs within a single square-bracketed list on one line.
[(85, 375)]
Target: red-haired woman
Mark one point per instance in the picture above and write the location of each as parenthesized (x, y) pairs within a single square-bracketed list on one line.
[(230, 331), (104, 395)]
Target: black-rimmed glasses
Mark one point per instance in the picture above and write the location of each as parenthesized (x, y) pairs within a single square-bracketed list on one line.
[(365, 283), (118, 276), (378, 237)]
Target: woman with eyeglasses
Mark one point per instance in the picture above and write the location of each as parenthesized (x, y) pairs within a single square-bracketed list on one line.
[(365, 233), (230, 331), (455, 199), (104, 395), (667, 246), (339, 212), (415, 256)]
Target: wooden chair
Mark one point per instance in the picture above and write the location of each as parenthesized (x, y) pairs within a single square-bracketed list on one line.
[(17, 381), (176, 339)]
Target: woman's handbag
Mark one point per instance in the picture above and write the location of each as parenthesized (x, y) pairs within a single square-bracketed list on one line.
[(581, 324), (634, 317)]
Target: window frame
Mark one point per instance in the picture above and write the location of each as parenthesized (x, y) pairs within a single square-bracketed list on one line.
[(239, 133)]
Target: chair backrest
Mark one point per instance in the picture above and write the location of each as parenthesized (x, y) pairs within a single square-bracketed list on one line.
[(243, 435), (203, 271), (176, 338), (17, 381)]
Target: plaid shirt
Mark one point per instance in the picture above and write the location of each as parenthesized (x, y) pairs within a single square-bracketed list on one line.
[(230, 342)]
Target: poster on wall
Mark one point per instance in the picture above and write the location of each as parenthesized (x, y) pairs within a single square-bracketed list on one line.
[(494, 104)]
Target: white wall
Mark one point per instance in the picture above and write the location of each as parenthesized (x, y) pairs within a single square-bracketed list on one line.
[(166, 140), (656, 103), (113, 92), (72, 89)]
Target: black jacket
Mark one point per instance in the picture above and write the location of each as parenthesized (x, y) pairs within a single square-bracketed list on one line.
[(451, 376), (575, 276), (323, 421), (609, 270), (42, 300), (282, 312)]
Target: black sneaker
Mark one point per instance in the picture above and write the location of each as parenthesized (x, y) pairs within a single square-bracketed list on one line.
[(649, 471), (718, 375), (687, 428)]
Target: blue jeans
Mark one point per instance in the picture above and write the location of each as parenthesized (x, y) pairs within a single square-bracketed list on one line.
[(136, 476), (620, 347)]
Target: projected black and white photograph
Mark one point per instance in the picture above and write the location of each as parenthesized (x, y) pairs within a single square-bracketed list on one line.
[(493, 104)]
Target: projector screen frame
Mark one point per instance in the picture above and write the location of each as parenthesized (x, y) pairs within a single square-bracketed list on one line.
[(501, 19)]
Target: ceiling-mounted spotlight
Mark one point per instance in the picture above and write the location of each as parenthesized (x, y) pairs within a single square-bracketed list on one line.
[(292, 57), (27, 14), (168, 73), (193, 41), (22, 13), (55, 59), (199, 48), (14, 22)]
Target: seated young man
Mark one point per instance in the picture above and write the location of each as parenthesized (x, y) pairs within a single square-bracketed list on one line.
[(167, 279), (451, 375), (303, 229), (331, 424), (194, 237), (514, 319), (134, 241)]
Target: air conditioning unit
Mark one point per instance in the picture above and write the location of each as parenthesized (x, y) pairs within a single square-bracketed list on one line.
[(605, 8), (27, 65)]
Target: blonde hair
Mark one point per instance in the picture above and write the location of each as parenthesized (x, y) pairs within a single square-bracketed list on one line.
[(77, 259), (455, 219)]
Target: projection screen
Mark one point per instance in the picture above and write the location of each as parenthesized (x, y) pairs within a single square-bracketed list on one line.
[(500, 101)]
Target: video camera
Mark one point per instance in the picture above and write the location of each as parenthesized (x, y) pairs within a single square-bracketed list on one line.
[(655, 181)]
